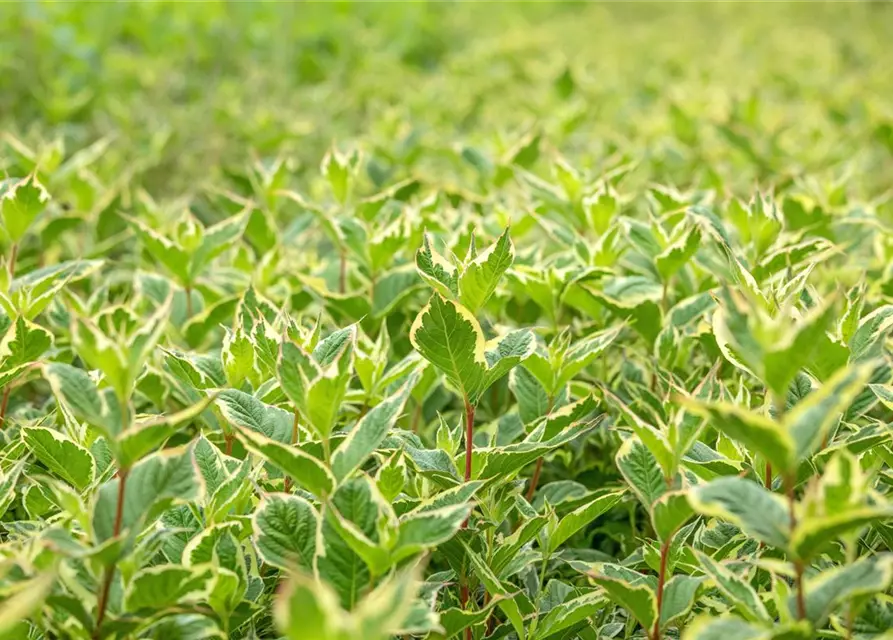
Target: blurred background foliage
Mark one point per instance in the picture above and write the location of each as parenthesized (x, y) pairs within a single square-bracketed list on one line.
[(701, 95)]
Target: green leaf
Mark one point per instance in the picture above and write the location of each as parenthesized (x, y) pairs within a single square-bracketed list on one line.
[(285, 530), (61, 455), (637, 598), (737, 590), (732, 628), (481, 276), (426, 529), (447, 335), (675, 256), (759, 434), (147, 435), (833, 586), (583, 353), (23, 343), (811, 419), (153, 483), (813, 534), (21, 201), (304, 469), (370, 431), (782, 364), (437, 272), (20, 603), (307, 609), (163, 586), (679, 597), (78, 395), (758, 512), (580, 517), (247, 412), (669, 512), (640, 469), (569, 613)]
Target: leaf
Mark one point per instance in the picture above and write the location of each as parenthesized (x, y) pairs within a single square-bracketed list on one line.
[(285, 530), (759, 434), (675, 256), (741, 594), (449, 337), (247, 412), (580, 517), (308, 609), (426, 529), (583, 353), (503, 354), (569, 613), (669, 512), (811, 419), (78, 394), (159, 587), (147, 435), (369, 432), (23, 343), (825, 591), (814, 533), (732, 628), (641, 471), (758, 512), (439, 274), (61, 455), (679, 597), (22, 602), (480, 276), (304, 469), (157, 480), (638, 599), (21, 201)]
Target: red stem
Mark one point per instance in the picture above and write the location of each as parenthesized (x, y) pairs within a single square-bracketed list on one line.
[(768, 481), (342, 273), (531, 490), (228, 438), (469, 434), (110, 570), (3, 405), (188, 291), (661, 580)]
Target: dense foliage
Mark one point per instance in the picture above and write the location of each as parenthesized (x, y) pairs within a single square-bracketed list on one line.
[(547, 321)]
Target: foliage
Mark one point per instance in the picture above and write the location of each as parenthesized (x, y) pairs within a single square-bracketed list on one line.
[(330, 321)]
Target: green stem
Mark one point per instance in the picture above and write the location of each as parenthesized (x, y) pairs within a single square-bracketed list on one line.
[(798, 564), (13, 256), (189, 311), (294, 441)]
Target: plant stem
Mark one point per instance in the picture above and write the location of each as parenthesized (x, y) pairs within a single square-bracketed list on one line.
[(228, 439), (189, 310), (531, 490), (13, 256), (110, 570), (416, 416), (469, 434), (342, 273), (661, 581), (3, 404), (768, 479), (294, 441), (798, 564)]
